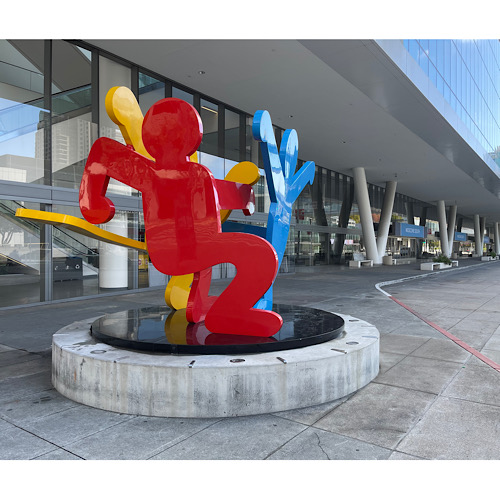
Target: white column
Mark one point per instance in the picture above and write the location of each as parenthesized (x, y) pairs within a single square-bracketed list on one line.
[(443, 231), (365, 214), (113, 259), (482, 222), (385, 217), (452, 218), (497, 237), (478, 237)]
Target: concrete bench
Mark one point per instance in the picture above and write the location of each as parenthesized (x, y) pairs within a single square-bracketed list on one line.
[(434, 266), (430, 266), (359, 263), (486, 258)]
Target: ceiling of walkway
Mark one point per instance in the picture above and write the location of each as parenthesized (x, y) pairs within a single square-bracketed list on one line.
[(350, 104)]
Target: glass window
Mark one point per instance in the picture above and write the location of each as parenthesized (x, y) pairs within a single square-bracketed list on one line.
[(433, 51), (440, 84), (150, 90), (84, 266), (261, 193), (440, 61), (232, 135), (22, 115), (214, 163), (432, 74), (423, 59), (182, 94), (318, 197), (414, 49), (19, 256), (209, 114), (303, 207), (73, 131), (112, 74), (252, 148), (447, 61), (453, 68)]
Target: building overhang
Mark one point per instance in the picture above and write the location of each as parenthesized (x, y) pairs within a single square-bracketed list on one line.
[(351, 104)]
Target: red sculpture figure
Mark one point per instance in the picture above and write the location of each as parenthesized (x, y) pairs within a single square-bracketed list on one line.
[(181, 202)]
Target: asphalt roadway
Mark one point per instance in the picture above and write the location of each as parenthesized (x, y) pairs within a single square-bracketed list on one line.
[(434, 398)]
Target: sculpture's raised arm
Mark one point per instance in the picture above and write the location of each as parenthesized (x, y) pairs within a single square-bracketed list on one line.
[(109, 159)]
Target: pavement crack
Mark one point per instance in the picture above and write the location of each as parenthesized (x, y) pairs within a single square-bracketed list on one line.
[(321, 447)]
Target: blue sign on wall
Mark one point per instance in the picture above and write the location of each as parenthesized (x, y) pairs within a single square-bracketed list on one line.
[(486, 239), (460, 236), (409, 230)]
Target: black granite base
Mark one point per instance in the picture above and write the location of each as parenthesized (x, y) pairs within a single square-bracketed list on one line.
[(159, 329)]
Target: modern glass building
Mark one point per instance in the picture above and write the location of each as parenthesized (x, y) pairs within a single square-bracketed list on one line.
[(420, 114)]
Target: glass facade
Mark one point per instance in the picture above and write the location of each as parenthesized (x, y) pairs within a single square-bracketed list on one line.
[(52, 96), (72, 129), (24, 112), (467, 74)]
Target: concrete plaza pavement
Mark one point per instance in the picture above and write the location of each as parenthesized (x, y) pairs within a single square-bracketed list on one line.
[(431, 400)]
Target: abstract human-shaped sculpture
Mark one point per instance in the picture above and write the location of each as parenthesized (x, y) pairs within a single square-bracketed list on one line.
[(284, 185), (124, 110), (181, 202)]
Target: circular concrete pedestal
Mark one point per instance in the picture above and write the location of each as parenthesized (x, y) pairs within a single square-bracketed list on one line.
[(190, 385)]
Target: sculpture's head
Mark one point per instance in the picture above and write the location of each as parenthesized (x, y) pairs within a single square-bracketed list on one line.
[(172, 129)]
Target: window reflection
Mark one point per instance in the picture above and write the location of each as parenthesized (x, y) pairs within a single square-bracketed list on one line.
[(462, 71), (182, 94), (73, 131), (19, 255), (22, 114)]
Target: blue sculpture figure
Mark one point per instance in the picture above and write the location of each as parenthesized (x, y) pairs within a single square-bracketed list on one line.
[(284, 185)]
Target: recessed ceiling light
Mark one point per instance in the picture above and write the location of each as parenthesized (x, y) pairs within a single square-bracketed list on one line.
[(201, 72), (290, 116)]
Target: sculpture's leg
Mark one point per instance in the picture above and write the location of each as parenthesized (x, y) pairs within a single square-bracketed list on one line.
[(177, 291), (199, 302), (256, 267)]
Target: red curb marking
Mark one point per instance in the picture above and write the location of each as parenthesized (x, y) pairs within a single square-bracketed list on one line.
[(461, 343)]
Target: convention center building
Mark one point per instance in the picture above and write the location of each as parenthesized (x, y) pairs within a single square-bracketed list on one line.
[(404, 135)]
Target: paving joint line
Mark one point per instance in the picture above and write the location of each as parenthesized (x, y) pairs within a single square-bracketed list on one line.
[(286, 442), (447, 334), (61, 447), (437, 396), (182, 440)]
